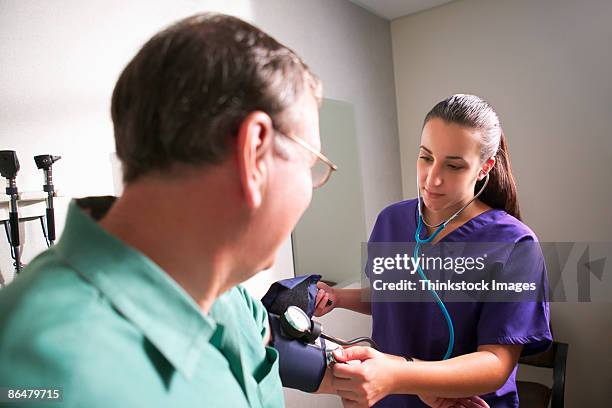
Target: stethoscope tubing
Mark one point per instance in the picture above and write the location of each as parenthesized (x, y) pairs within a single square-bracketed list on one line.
[(417, 236)]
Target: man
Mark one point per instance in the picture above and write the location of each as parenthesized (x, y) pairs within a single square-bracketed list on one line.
[(216, 126)]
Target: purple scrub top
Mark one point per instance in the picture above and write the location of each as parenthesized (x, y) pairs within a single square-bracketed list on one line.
[(418, 329)]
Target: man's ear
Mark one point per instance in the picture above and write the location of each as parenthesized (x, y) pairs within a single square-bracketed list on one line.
[(254, 143), (486, 168)]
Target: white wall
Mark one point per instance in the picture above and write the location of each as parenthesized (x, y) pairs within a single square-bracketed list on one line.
[(545, 65), (350, 49), (60, 61)]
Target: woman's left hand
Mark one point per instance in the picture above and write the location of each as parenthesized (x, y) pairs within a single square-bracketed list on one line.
[(366, 379)]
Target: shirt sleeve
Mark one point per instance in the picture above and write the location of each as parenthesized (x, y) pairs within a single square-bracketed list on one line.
[(258, 311), (527, 321)]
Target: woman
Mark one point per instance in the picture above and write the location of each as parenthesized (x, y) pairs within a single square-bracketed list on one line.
[(463, 166)]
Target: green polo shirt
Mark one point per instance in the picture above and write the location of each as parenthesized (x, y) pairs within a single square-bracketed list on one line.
[(105, 324)]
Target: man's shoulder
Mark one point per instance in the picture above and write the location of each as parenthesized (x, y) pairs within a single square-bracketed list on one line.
[(47, 291), (237, 306), (239, 296), (82, 346), (51, 320), (242, 301)]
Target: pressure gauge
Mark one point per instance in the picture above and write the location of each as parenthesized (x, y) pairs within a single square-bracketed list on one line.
[(298, 319), (296, 324)]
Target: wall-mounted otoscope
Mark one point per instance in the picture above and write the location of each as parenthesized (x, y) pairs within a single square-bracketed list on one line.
[(9, 166), (45, 162)]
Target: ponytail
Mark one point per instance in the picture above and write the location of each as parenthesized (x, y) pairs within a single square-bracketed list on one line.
[(501, 190)]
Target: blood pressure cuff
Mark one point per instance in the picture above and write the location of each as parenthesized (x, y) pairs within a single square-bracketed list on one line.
[(300, 291), (301, 365)]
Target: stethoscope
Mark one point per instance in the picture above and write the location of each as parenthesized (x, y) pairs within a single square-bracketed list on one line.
[(417, 237)]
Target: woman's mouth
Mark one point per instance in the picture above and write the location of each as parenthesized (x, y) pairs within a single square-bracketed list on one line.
[(432, 194)]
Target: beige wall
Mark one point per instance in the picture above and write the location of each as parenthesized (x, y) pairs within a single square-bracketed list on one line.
[(546, 66)]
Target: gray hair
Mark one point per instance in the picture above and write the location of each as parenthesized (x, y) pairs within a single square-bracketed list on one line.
[(184, 95)]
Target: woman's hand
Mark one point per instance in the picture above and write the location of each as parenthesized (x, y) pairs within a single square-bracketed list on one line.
[(363, 375), (326, 301), (470, 402)]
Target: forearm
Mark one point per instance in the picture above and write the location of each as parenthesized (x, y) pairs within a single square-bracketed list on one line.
[(326, 384), (476, 373), (353, 299)]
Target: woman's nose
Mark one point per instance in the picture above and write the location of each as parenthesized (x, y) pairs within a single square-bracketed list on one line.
[(434, 177)]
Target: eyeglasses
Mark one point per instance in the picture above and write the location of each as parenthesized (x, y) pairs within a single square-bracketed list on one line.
[(322, 169)]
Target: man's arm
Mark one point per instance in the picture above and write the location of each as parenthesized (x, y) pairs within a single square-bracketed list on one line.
[(267, 338), (326, 385)]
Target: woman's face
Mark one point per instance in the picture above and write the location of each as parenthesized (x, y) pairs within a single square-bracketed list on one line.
[(448, 165)]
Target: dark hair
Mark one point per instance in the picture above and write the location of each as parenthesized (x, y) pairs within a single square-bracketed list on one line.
[(183, 96), (473, 112)]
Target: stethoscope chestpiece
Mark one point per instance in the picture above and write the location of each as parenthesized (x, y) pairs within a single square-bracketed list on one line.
[(296, 324)]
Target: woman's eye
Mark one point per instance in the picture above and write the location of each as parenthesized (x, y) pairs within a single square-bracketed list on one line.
[(452, 166), (427, 159)]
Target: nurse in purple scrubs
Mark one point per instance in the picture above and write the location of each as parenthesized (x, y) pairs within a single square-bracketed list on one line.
[(463, 163)]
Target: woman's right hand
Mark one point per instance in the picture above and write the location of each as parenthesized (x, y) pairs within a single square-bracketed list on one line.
[(326, 300)]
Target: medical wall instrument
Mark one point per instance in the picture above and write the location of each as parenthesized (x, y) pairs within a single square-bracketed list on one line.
[(9, 167), (45, 163)]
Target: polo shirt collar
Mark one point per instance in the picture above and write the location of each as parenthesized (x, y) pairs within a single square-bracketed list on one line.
[(139, 289)]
